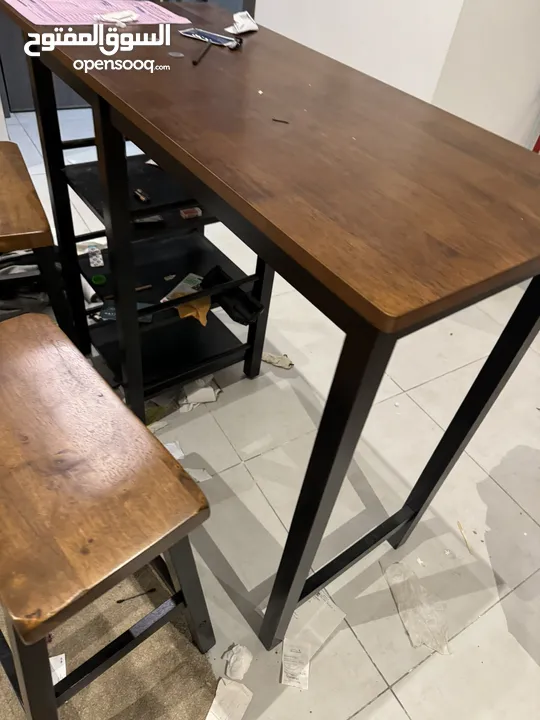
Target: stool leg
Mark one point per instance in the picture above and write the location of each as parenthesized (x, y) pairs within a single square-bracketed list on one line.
[(34, 676), (186, 578), (52, 280)]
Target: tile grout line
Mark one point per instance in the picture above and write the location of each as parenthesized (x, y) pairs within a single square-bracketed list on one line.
[(505, 491), (402, 706), (444, 374), (39, 150), (484, 612), (357, 712), (483, 469)]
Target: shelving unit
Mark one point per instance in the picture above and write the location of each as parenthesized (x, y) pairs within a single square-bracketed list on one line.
[(173, 350)]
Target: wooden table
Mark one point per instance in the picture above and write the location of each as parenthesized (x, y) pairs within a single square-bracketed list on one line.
[(386, 212)]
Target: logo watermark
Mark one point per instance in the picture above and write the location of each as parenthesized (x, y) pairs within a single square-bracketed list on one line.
[(108, 40)]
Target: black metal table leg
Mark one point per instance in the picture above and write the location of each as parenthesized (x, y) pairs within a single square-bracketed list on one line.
[(52, 279), (262, 291), (513, 343), (53, 158), (34, 676), (360, 369), (185, 576), (114, 178)]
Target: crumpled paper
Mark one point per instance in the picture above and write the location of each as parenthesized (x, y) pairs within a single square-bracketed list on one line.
[(243, 23), (238, 661)]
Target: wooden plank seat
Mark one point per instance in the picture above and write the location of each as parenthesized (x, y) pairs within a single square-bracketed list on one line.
[(87, 497), (24, 226)]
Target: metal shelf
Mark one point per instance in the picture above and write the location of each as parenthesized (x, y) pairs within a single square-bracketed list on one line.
[(166, 195)]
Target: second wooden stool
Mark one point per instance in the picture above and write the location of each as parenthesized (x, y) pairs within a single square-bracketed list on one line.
[(88, 496)]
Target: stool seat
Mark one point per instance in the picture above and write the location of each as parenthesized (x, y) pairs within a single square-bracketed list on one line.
[(23, 223), (86, 492)]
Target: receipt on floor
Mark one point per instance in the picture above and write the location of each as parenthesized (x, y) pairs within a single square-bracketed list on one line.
[(231, 701), (315, 622), (175, 450), (58, 668), (295, 664)]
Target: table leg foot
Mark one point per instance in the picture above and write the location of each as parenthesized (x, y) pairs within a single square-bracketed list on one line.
[(360, 369)]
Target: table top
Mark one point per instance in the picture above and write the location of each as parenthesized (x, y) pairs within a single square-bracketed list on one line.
[(401, 209)]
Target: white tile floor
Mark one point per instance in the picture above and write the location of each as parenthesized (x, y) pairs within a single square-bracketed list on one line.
[(255, 443)]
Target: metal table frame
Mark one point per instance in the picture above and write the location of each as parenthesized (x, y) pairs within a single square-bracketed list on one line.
[(361, 366)]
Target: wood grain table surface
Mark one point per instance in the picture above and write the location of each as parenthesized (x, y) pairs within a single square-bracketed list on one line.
[(402, 210)]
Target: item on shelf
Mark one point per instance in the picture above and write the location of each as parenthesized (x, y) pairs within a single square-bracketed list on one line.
[(197, 308), (141, 195), (239, 305), (191, 213), (190, 284), (149, 220), (95, 257), (108, 312), (90, 295)]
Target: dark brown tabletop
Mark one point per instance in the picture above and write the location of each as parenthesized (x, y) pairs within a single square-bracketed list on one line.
[(401, 209)]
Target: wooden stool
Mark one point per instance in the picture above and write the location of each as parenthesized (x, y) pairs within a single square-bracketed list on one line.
[(24, 226), (88, 496)]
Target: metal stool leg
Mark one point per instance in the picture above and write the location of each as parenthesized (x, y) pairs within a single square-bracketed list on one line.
[(186, 578), (34, 675), (52, 280)]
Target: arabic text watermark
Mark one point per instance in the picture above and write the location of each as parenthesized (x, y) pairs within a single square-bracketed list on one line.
[(109, 40)]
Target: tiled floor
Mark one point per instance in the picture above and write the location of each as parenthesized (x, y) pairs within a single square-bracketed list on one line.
[(255, 443)]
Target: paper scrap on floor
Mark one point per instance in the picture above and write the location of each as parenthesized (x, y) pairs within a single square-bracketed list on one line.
[(281, 361), (203, 390), (73, 12), (423, 622), (238, 659), (231, 701), (314, 622), (175, 450), (58, 668), (295, 664)]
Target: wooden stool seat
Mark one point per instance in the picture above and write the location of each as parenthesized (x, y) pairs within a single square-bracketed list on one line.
[(88, 496), (23, 223), (84, 487), (24, 226)]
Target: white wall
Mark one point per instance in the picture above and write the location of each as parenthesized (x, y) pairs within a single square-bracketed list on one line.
[(492, 73), (403, 42)]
